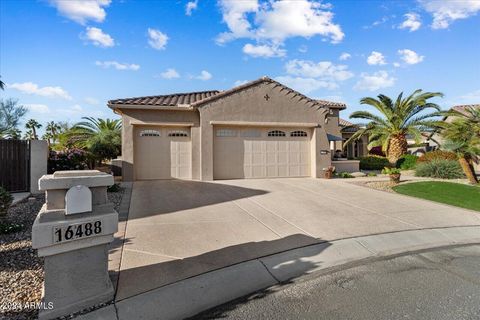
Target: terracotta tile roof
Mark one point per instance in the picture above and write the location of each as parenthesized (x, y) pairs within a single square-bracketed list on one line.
[(461, 108), (197, 99), (168, 100), (344, 123)]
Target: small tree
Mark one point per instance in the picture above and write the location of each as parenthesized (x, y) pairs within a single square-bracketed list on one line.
[(6, 200), (10, 116)]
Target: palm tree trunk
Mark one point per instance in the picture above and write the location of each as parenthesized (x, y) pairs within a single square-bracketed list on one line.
[(397, 147), (467, 169)]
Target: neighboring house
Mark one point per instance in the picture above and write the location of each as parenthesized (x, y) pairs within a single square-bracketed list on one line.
[(355, 149), (435, 139), (261, 129)]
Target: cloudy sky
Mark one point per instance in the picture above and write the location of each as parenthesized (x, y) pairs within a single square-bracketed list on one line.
[(65, 59)]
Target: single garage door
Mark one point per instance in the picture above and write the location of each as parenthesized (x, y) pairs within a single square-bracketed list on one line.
[(261, 152), (162, 153)]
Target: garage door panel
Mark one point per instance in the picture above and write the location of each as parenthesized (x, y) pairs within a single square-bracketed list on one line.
[(261, 156), (163, 156)]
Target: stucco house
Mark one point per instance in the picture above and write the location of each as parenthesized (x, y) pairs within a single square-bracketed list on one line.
[(261, 129)]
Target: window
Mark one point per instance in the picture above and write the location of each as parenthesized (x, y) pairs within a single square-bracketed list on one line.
[(226, 133), (177, 134), (298, 134), (276, 133), (149, 133), (251, 133)]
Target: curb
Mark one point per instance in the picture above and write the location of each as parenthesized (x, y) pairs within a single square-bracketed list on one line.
[(191, 296)]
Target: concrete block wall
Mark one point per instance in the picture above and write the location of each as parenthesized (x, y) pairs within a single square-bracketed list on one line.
[(38, 162)]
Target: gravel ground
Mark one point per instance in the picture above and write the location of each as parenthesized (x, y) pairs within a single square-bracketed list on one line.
[(21, 270)]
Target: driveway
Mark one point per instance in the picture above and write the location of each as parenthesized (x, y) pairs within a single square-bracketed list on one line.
[(178, 229)]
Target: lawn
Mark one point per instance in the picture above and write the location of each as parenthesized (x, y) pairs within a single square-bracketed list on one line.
[(455, 194)]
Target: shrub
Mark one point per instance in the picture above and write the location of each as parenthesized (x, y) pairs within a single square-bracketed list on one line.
[(345, 175), (371, 174), (373, 163), (70, 159), (388, 170), (443, 169), (407, 162), (6, 200), (114, 188), (437, 155), (10, 227)]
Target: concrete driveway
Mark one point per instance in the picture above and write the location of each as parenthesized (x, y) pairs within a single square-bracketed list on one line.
[(179, 229)]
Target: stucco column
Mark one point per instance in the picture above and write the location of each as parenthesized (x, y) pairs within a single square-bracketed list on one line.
[(72, 232), (206, 147), (322, 151), (38, 162), (127, 149)]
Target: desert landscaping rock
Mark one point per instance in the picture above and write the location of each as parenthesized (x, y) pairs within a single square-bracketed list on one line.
[(358, 174), (21, 270)]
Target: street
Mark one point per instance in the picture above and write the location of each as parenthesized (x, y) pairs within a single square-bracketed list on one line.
[(438, 284)]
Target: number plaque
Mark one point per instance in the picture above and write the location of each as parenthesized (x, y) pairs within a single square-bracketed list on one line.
[(77, 231)]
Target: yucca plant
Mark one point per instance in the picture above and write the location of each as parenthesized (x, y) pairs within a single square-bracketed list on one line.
[(397, 119)]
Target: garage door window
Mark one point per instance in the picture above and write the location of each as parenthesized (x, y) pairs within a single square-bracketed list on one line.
[(178, 134), (298, 134), (276, 133), (226, 133), (251, 133), (149, 133)]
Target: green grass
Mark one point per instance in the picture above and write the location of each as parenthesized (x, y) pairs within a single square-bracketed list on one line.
[(455, 194)]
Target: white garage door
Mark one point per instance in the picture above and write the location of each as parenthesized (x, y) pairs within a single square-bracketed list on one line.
[(261, 152), (162, 153)]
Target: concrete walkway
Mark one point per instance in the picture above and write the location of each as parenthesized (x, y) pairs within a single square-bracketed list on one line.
[(180, 229)]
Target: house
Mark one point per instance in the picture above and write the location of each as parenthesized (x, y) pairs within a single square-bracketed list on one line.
[(261, 129), (356, 149)]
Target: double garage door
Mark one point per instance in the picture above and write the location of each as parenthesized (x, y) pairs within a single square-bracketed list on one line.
[(261, 152), (162, 153)]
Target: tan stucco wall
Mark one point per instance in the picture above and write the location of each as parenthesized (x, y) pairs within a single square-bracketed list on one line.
[(131, 115), (249, 105)]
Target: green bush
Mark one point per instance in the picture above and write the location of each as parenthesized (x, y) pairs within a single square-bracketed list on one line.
[(437, 155), (443, 169), (344, 175), (407, 162), (371, 174), (388, 170), (6, 200), (373, 163), (6, 228), (114, 188)]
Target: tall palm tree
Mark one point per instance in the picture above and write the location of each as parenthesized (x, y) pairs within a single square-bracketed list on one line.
[(398, 119), (2, 84), (462, 136), (52, 129), (33, 125)]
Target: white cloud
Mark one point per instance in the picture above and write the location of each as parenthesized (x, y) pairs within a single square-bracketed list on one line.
[(376, 23), (374, 81), (275, 21), (325, 70), (446, 12), (170, 73), (38, 108), (239, 82), (117, 65), (410, 56), (157, 39), (264, 51), (92, 101), (396, 64), (376, 58), (81, 11), (191, 5), (470, 98), (303, 49), (412, 22), (99, 38), (306, 85), (345, 56), (332, 98), (33, 88), (204, 76)]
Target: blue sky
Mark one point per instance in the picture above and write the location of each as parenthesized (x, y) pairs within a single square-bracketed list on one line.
[(66, 59)]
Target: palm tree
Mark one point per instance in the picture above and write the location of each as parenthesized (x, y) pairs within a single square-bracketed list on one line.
[(2, 84), (102, 137), (462, 136), (33, 125), (52, 129), (398, 119)]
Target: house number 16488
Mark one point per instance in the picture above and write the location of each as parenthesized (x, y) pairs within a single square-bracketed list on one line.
[(77, 231)]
